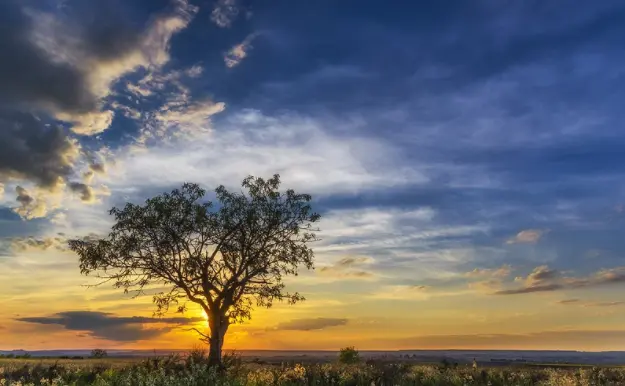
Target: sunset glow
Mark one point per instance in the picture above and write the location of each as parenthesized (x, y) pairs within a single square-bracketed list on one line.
[(467, 162)]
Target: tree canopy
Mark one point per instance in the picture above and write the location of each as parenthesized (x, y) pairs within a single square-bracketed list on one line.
[(226, 258)]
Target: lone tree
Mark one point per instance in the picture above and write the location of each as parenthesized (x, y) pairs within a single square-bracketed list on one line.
[(98, 353), (224, 258)]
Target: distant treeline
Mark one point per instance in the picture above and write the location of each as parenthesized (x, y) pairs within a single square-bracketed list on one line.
[(29, 356)]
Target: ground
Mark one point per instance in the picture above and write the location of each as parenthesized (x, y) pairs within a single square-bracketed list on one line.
[(177, 370)]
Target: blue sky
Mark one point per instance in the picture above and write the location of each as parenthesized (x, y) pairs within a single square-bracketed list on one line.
[(463, 154)]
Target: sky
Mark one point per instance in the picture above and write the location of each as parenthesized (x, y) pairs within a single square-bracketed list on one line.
[(467, 159)]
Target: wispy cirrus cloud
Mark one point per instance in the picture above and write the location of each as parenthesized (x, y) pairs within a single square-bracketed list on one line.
[(312, 324), (579, 302), (499, 273), (297, 147), (348, 268)]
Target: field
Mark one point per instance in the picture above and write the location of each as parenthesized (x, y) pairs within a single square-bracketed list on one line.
[(193, 371)]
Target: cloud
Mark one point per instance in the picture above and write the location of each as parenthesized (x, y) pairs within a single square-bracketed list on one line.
[(348, 268), (225, 12), (179, 116), (30, 207), (571, 339), (297, 147), (85, 191), (528, 236), (591, 304), (188, 118), (239, 52), (63, 66), (568, 301), (486, 286), (499, 273), (544, 279), (66, 65), (540, 275), (107, 326), (26, 244), (405, 292), (605, 304), (310, 324), (30, 150)]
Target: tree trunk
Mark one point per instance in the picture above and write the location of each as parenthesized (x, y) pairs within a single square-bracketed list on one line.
[(218, 325)]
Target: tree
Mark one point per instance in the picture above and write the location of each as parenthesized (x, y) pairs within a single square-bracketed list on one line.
[(98, 353), (349, 355), (223, 259)]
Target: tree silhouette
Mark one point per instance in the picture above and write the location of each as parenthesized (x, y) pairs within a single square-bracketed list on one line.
[(98, 353), (225, 258)]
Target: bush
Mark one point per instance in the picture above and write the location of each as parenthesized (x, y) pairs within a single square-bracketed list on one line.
[(349, 355), (99, 353)]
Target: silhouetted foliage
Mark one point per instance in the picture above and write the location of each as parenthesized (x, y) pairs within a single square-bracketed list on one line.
[(349, 355), (224, 259), (98, 353)]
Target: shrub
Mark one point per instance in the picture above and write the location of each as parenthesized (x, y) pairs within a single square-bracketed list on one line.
[(349, 355), (99, 353)]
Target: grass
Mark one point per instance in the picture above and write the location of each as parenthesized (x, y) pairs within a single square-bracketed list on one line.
[(193, 371), (82, 363)]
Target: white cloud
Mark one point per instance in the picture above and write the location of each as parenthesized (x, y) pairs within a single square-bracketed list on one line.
[(497, 273), (239, 52), (528, 236), (190, 119), (371, 222), (224, 12), (298, 148)]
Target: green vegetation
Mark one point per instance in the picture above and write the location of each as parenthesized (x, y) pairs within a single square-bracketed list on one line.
[(349, 355), (194, 369)]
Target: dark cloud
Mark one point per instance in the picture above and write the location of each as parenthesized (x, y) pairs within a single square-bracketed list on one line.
[(106, 28), (29, 75), (85, 191), (97, 168), (110, 327), (311, 324), (33, 151), (62, 66)]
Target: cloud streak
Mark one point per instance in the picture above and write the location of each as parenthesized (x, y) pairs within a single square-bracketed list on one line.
[(110, 327), (544, 279), (313, 324), (528, 236)]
